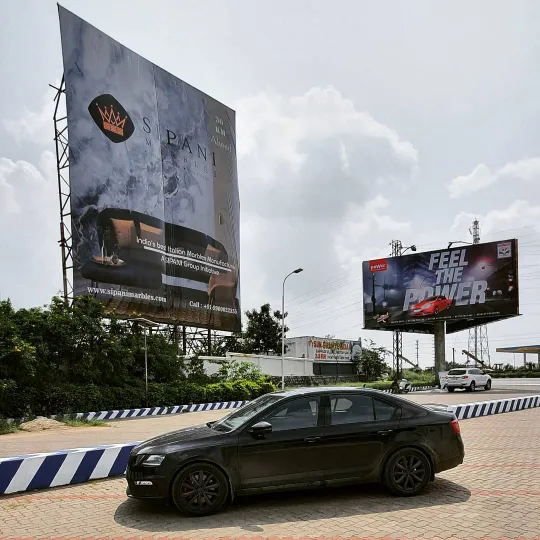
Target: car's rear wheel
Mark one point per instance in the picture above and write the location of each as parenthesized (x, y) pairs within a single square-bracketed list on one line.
[(451, 388), (200, 489), (488, 385), (407, 472), (471, 387)]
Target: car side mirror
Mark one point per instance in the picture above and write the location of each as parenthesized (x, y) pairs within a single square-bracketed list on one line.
[(260, 428)]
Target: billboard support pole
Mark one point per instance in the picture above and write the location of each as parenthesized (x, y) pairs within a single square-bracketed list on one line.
[(440, 345), (184, 341), (64, 188), (397, 248)]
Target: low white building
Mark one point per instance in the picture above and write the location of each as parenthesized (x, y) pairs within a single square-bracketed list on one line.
[(269, 365)]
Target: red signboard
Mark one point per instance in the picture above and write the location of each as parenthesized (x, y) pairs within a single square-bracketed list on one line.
[(378, 265)]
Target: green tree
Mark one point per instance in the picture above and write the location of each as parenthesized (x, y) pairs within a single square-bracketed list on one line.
[(263, 331), (371, 363), (18, 361)]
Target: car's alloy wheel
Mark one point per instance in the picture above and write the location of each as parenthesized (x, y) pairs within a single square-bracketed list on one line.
[(200, 489), (436, 311), (488, 385), (407, 472), (451, 388), (471, 387)]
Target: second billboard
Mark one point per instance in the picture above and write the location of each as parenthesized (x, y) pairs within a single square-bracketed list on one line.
[(461, 284)]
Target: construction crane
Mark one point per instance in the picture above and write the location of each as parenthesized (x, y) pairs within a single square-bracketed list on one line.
[(415, 366), (476, 360)]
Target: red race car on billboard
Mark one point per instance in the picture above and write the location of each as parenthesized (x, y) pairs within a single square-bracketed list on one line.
[(430, 306)]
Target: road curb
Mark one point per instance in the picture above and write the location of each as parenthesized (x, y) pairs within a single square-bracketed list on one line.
[(39, 471), (121, 414)]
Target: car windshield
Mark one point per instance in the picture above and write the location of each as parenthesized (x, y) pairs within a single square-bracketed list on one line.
[(239, 417), (457, 372), (431, 299)]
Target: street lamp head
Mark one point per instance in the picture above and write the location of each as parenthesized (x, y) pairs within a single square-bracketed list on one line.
[(298, 270), (413, 248)]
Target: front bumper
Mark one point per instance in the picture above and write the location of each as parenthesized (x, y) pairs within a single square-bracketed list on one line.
[(146, 482)]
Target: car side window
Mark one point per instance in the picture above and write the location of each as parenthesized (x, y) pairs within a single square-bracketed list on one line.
[(351, 409), (479, 372), (298, 413), (385, 410)]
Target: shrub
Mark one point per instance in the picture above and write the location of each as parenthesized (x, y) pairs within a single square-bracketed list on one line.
[(67, 399)]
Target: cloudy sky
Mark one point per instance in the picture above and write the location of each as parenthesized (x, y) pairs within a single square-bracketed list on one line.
[(357, 123)]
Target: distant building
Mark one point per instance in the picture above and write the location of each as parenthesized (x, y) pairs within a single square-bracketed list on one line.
[(330, 356)]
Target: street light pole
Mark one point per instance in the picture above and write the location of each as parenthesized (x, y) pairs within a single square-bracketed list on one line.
[(397, 251), (146, 367), (141, 319), (297, 271)]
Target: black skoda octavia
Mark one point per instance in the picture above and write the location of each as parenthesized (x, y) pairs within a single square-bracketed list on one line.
[(294, 440)]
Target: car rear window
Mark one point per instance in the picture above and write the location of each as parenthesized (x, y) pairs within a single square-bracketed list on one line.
[(457, 372)]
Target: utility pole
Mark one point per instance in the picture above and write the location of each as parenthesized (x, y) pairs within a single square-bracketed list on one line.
[(453, 357), (478, 336), (417, 345)]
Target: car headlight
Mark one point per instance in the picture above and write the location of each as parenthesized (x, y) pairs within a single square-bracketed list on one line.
[(153, 460)]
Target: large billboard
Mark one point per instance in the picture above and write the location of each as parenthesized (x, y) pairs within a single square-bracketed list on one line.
[(154, 190), (464, 286)]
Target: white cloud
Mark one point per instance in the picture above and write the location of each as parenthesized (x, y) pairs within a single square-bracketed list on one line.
[(317, 151), (313, 173), (482, 176), (502, 223), (362, 221), (31, 266), (35, 126)]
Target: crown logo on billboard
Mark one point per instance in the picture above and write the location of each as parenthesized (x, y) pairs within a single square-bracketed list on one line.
[(112, 121)]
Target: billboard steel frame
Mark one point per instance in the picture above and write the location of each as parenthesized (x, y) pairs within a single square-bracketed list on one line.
[(64, 188)]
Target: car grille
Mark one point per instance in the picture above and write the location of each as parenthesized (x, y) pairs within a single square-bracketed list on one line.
[(132, 475)]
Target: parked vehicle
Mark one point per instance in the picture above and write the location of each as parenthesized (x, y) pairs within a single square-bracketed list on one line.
[(468, 378), (298, 439), (401, 387)]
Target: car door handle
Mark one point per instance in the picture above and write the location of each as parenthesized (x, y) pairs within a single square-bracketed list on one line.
[(312, 439), (385, 432)]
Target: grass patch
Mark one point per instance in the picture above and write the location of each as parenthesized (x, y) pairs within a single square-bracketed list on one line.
[(8, 427), (81, 422)]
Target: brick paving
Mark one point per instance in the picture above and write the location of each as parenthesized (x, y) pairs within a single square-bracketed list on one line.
[(124, 431), (494, 495)]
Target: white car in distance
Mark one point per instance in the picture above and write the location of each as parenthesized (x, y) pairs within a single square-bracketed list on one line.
[(468, 378)]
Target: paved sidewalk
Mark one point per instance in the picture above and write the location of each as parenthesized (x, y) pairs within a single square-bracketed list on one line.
[(494, 495), (125, 431)]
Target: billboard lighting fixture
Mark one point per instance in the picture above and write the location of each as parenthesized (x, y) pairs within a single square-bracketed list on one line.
[(459, 242), (412, 248)]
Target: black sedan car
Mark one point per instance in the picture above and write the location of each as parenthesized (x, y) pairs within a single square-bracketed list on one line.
[(294, 440)]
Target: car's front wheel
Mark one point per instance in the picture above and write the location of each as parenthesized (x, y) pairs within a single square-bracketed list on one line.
[(471, 387), (488, 385), (200, 489), (407, 472)]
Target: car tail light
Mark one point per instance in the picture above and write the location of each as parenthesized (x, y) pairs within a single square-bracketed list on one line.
[(465, 376), (455, 426)]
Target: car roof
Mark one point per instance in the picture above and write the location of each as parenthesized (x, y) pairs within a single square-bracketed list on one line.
[(322, 390)]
